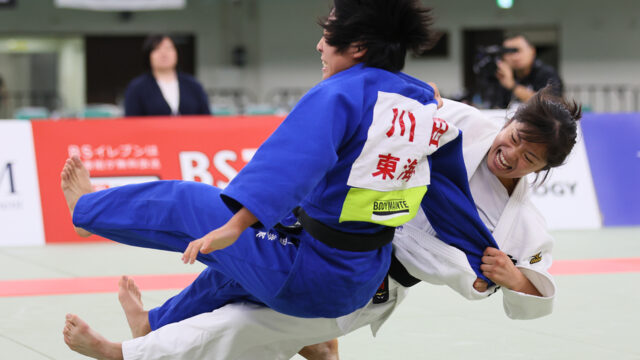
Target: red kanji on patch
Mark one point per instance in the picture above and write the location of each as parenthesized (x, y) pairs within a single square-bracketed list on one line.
[(409, 170), (412, 120), (386, 166), (439, 127)]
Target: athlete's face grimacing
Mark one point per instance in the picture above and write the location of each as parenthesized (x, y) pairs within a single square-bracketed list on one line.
[(512, 157)]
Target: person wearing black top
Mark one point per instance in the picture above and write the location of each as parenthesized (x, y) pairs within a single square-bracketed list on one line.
[(520, 74), (163, 90)]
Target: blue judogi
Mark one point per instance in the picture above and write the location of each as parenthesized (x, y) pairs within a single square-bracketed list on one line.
[(309, 159), (276, 268), (323, 158), (446, 206)]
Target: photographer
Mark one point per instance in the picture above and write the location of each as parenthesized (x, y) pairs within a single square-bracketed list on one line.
[(520, 74)]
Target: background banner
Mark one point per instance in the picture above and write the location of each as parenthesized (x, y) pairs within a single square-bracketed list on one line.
[(567, 199), (613, 147), (122, 151), (20, 212), (213, 149)]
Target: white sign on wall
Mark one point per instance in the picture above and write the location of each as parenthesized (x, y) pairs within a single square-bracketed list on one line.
[(122, 5), (20, 207), (567, 199)]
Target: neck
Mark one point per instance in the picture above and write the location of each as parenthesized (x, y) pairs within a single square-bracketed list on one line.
[(522, 73), (165, 74), (509, 184)]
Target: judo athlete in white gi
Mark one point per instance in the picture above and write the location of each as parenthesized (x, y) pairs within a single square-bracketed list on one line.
[(249, 331), (353, 158)]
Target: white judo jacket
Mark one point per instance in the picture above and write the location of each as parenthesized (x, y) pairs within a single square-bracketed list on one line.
[(520, 232)]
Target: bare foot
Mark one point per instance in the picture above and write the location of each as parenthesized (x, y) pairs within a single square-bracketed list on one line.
[(131, 302), (324, 351), (82, 339), (75, 182)]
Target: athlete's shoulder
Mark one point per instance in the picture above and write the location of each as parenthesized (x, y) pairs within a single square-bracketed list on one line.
[(348, 83), (467, 117)]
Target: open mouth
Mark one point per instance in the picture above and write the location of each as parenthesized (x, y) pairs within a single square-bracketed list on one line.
[(501, 162)]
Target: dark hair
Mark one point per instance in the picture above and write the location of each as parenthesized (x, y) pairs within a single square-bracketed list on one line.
[(510, 36), (552, 121), (151, 43), (385, 28)]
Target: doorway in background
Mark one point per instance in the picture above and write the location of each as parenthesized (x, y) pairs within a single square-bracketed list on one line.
[(113, 61)]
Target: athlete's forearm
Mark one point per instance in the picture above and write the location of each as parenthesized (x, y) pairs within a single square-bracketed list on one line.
[(242, 220), (525, 286)]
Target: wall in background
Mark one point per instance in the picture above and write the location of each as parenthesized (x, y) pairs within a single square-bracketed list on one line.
[(279, 36)]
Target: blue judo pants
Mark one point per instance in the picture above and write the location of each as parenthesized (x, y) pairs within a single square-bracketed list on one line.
[(293, 274), (209, 291)]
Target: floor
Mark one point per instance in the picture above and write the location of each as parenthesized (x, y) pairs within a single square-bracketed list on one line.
[(596, 315)]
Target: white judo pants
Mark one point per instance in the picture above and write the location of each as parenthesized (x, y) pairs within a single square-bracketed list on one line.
[(244, 331)]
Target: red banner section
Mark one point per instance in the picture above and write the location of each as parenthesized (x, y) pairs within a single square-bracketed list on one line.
[(121, 151)]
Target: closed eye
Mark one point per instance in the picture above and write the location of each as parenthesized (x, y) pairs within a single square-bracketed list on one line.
[(529, 160)]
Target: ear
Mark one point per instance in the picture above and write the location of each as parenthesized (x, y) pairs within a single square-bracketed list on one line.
[(358, 51)]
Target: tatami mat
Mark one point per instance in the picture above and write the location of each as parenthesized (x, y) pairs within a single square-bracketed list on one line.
[(596, 315)]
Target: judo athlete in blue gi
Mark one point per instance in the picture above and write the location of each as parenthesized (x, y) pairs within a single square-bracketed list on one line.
[(305, 227)]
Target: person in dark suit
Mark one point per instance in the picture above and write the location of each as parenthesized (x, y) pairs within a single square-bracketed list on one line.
[(162, 89)]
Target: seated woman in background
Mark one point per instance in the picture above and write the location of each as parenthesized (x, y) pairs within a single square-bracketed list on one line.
[(162, 89)]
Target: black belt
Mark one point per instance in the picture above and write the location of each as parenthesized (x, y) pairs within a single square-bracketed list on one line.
[(400, 274), (342, 240)]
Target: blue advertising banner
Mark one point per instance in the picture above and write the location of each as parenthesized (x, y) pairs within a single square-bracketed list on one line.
[(613, 149)]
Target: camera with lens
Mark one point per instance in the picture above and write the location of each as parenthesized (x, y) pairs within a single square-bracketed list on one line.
[(485, 67), (487, 57)]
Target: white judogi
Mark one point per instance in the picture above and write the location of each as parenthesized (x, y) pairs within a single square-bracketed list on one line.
[(243, 331), (520, 232), (247, 331)]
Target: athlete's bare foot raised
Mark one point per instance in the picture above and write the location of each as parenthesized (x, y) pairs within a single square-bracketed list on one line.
[(82, 339), (75, 182), (131, 302)]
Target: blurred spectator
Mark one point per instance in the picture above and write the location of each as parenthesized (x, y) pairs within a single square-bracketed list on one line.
[(521, 74), (163, 90)]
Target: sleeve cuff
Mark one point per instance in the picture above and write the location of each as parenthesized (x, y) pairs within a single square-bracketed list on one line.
[(521, 306)]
